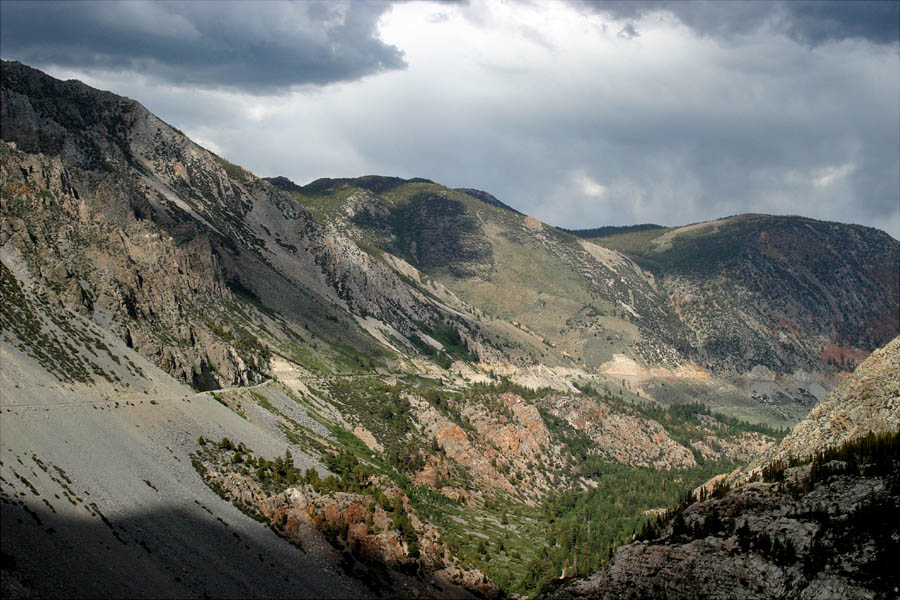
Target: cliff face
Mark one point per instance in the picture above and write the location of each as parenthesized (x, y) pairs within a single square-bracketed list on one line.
[(821, 529), (623, 438), (91, 254)]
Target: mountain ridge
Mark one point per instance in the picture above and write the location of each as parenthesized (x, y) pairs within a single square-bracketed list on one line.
[(399, 376), (432, 249)]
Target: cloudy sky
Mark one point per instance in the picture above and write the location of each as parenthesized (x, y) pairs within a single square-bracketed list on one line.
[(581, 114)]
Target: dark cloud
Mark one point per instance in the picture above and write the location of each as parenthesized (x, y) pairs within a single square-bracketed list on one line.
[(811, 22), (555, 114), (819, 22), (258, 47)]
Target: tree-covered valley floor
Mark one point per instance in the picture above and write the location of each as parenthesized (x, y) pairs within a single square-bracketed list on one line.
[(409, 504)]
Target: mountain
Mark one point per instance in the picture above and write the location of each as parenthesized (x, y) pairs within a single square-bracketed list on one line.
[(774, 306), (817, 518), (611, 230), (185, 251), (794, 281), (370, 385), (769, 309)]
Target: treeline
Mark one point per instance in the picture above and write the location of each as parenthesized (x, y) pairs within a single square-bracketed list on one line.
[(872, 454), (275, 476), (502, 385)]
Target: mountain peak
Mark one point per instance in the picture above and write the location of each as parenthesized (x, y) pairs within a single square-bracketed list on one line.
[(488, 199)]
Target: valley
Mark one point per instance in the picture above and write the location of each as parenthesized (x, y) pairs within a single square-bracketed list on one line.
[(215, 384)]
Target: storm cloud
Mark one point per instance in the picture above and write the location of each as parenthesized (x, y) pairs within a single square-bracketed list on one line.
[(580, 114), (256, 47), (811, 22)]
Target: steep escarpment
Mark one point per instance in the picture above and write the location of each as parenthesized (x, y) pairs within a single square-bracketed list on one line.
[(559, 291), (868, 401), (90, 254), (777, 305)]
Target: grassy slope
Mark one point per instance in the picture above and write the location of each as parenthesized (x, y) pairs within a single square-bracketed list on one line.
[(528, 284)]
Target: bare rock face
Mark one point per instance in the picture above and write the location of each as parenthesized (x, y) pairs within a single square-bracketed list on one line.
[(89, 251), (621, 437), (505, 446), (745, 295), (747, 446), (463, 449), (763, 540)]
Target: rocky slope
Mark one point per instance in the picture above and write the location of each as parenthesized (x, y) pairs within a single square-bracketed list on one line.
[(782, 293), (817, 519), (374, 533), (867, 401), (98, 497), (102, 198), (110, 207), (830, 539), (488, 370)]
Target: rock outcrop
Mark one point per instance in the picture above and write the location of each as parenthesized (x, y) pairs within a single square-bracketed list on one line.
[(821, 529), (376, 538), (622, 437), (836, 539), (867, 401)]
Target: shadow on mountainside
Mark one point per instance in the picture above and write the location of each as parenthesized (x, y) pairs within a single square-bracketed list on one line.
[(158, 554)]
